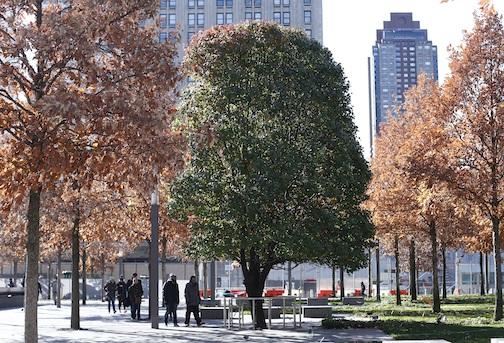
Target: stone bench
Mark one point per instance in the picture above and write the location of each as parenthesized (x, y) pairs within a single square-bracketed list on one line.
[(11, 297), (318, 301), (215, 312), (275, 312), (497, 340), (281, 301), (353, 301), (317, 311)]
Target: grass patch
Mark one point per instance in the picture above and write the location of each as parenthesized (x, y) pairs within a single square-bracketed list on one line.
[(463, 319)]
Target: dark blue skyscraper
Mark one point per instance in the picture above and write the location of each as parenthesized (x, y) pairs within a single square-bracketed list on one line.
[(401, 53)]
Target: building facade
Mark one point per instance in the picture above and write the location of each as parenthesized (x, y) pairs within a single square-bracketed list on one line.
[(190, 16), (402, 52)]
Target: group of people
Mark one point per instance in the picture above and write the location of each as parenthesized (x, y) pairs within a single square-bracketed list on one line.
[(171, 299), (127, 293), (130, 293)]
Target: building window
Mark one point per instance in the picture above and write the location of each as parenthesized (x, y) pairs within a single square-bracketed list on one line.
[(163, 37), (163, 21), (229, 3), (308, 33), (201, 3), (220, 18), (191, 3), (248, 3), (248, 15), (307, 17), (229, 18), (257, 16), (220, 3), (277, 17), (286, 2), (286, 18), (277, 3), (307, 2), (201, 19), (257, 3), (189, 36), (172, 20), (172, 4), (191, 20), (164, 4)]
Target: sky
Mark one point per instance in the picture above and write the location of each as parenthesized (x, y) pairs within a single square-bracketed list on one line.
[(350, 32)]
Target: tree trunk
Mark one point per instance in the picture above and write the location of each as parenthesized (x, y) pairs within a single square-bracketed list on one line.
[(164, 242), (370, 277), (289, 278), (497, 267), (333, 281), (58, 280), (443, 255), (482, 273), (75, 316), (32, 260), (342, 283), (205, 280), (378, 295), (49, 280), (487, 277), (84, 279), (436, 303), (196, 270), (102, 260), (397, 271), (412, 271), (15, 269), (254, 278)]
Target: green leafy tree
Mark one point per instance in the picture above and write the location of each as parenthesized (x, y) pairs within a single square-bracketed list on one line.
[(276, 173)]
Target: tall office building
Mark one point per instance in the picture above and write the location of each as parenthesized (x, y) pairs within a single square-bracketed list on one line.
[(190, 16), (401, 53)]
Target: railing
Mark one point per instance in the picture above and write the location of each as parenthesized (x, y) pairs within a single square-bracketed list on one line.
[(237, 305)]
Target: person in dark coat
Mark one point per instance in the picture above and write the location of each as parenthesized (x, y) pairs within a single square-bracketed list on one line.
[(193, 301), (171, 299), (121, 293), (135, 293), (11, 283), (128, 285), (363, 289), (111, 288)]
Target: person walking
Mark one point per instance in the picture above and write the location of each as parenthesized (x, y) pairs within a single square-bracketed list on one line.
[(111, 288), (363, 289), (54, 288), (135, 293), (121, 293), (11, 283), (171, 298), (129, 283), (193, 301)]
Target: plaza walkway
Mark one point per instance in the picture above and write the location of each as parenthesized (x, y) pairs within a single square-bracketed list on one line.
[(100, 327)]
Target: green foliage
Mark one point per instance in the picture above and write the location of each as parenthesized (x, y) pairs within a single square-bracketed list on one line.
[(276, 172)]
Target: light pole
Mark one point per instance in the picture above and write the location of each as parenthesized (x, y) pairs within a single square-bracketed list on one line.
[(154, 257)]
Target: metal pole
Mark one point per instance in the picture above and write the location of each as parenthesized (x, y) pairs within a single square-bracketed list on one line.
[(58, 280), (154, 257)]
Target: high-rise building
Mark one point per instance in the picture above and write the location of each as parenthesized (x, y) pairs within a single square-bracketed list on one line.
[(401, 53), (190, 16)]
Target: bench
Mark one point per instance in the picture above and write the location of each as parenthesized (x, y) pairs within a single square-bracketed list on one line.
[(353, 301), (275, 312), (11, 297), (209, 303), (281, 301), (419, 341), (318, 301), (317, 311), (215, 312)]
